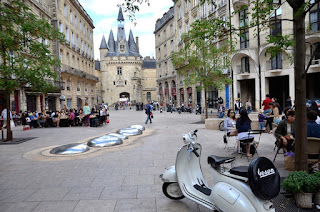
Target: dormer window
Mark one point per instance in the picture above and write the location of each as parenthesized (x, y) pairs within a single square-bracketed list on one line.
[(122, 48)]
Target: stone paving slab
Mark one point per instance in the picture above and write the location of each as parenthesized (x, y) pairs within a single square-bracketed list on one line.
[(61, 206), (126, 179), (95, 206)]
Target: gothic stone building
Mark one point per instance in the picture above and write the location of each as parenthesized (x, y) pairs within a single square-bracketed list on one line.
[(122, 69)]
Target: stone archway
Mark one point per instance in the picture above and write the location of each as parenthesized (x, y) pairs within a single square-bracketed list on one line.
[(124, 95)]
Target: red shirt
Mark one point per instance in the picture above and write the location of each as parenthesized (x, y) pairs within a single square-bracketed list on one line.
[(266, 103)]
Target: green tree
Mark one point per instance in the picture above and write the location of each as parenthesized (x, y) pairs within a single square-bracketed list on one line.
[(202, 61), (26, 59)]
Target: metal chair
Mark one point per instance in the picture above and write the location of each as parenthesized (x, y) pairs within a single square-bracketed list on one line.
[(278, 145), (313, 149)]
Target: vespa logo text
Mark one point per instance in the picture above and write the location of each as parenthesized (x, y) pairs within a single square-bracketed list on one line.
[(266, 173)]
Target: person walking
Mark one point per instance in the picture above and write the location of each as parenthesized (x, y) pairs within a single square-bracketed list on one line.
[(265, 104), (248, 106), (148, 110), (86, 112)]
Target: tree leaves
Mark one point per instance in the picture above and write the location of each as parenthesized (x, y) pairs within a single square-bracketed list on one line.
[(24, 47)]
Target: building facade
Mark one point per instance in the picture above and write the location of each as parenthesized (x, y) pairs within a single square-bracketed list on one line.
[(276, 75), (124, 72), (168, 30), (254, 72), (77, 75)]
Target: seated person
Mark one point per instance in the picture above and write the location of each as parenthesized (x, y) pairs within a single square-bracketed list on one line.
[(244, 125), (313, 129), (285, 130), (71, 119), (229, 123), (34, 120), (43, 119), (56, 118)]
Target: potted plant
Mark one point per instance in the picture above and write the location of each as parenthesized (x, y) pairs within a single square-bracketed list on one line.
[(317, 194), (302, 185)]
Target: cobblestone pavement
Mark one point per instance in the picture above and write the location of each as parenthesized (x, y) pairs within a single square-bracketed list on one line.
[(123, 180)]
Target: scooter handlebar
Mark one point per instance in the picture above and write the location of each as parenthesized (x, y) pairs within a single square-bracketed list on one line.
[(195, 152)]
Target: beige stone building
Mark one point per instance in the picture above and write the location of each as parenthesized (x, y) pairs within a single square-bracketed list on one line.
[(23, 98), (168, 31), (77, 75), (124, 73), (275, 75)]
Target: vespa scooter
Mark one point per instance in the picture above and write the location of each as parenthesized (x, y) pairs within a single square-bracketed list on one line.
[(241, 189)]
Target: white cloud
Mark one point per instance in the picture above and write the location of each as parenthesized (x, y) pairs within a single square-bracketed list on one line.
[(105, 13)]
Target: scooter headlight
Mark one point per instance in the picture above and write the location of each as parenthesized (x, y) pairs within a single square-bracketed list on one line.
[(185, 138)]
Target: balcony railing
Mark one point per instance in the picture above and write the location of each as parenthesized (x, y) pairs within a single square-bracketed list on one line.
[(79, 73)]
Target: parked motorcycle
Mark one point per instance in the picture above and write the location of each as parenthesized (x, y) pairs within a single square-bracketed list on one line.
[(198, 109), (184, 109), (242, 189)]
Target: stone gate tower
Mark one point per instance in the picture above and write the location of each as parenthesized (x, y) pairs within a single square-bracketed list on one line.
[(120, 66)]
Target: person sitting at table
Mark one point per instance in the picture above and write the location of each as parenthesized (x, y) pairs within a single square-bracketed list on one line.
[(56, 118), (313, 129), (34, 120), (244, 125), (63, 118), (43, 119), (71, 118), (229, 123), (285, 130), (86, 111), (103, 114)]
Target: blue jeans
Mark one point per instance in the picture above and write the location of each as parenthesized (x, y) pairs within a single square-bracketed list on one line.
[(267, 111), (249, 111), (221, 114), (261, 125), (148, 118)]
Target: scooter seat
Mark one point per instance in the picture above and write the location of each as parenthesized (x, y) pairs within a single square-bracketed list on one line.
[(240, 171), (216, 161)]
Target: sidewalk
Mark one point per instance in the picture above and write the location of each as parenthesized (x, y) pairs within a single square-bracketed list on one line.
[(122, 180)]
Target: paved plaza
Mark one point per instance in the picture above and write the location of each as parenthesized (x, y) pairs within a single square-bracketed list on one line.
[(124, 179)]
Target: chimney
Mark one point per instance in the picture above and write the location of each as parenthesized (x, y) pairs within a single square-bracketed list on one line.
[(137, 42)]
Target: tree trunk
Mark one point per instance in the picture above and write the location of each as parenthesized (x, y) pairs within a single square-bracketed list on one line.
[(9, 131), (205, 103), (300, 89)]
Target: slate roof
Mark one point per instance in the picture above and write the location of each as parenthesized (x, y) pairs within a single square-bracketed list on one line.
[(131, 48), (120, 15), (149, 64), (103, 44)]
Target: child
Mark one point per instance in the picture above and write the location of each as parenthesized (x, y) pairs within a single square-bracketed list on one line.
[(261, 118)]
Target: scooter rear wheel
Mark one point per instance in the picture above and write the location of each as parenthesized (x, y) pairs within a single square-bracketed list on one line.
[(172, 190)]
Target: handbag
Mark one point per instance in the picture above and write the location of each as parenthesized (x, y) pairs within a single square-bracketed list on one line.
[(151, 115)]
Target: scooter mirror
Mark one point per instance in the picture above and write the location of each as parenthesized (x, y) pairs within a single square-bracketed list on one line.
[(186, 138)]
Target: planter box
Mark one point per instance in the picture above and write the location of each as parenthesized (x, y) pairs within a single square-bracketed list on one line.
[(303, 200)]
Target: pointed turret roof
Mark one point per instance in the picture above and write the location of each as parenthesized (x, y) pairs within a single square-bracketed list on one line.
[(111, 42), (120, 15), (103, 44), (132, 44)]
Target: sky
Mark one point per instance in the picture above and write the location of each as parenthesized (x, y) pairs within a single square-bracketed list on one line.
[(104, 14)]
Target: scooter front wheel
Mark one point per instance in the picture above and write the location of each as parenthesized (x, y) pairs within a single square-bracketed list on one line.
[(172, 190)]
